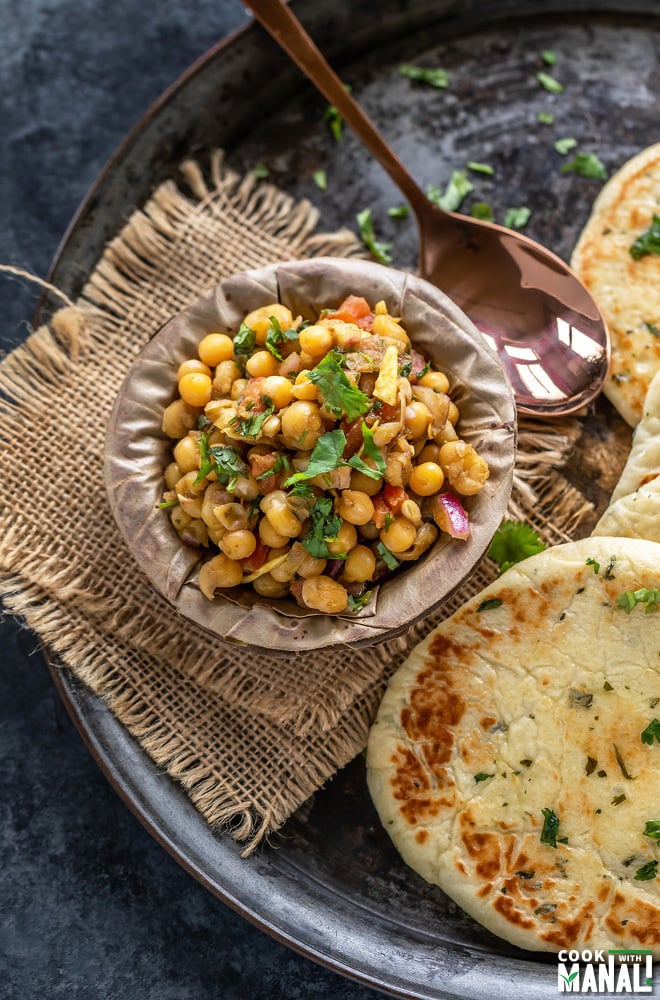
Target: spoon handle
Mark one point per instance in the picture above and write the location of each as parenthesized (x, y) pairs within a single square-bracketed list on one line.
[(282, 24)]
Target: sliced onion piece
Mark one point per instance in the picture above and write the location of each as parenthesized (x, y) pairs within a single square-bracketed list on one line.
[(450, 515)]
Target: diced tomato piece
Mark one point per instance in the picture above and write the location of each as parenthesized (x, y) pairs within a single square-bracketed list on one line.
[(354, 309), (394, 497), (388, 412), (381, 510), (251, 399), (260, 464), (257, 559)]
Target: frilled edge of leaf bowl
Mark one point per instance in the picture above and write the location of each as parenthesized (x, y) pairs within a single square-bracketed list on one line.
[(137, 451)]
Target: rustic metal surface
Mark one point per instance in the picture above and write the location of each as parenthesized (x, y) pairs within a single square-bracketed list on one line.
[(332, 885)]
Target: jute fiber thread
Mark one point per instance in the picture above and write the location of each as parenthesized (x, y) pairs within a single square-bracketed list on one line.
[(249, 737)]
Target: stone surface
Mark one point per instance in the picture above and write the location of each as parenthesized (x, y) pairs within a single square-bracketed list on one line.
[(91, 906)]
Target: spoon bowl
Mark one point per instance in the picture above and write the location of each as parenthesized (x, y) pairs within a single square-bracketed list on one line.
[(529, 305)]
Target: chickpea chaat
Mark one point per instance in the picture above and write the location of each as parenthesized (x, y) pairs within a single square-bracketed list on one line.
[(314, 459)]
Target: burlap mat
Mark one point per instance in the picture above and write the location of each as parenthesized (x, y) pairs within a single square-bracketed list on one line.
[(249, 737)]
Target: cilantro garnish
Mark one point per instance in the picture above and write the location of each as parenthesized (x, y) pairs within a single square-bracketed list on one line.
[(320, 178), (251, 426), (586, 165), (379, 249), (399, 211), (281, 464), (335, 120), (516, 218), (647, 872), (276, 335), (512, 542), (244, 342), (372, 451), (650, 596), (545, 117), (549, 83), (482, 776), (648, 242), (457, 189), (550, 828), (490, 605), (224, 460), (422, 74), (164, 504), (621, 763), (652, 829), (564, 146), (325, 528), (480, 168), (549, 57), (652, 328), (596, 565), (339, 394), (387, 556), (482, 210), (357, 603), (652, 731), (326, 456), (303, 490)]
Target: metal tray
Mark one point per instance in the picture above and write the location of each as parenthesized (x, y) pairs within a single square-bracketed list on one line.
[(330, 884)]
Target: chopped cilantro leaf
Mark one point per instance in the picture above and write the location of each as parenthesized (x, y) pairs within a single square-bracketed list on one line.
[(652, 328), (320, 178), (620, 762), (276, 336), (457, 189), (549, 83), (545, 117), (224, 460), (480, 168), (586, 165), (652, 731), (645, 595), (372, 451), (399, 211), (387, 556), (482, 776), (647, 872), (596, 565), (512, 542), (326, 456), (357, 603), (251, 426), (550, 828), (564, 146), (244, 342), (652, 829), (618, 799), (335, 121), (303, 490), (379, 249), (549, 57), (490, 605), (339, 394), (648, 242), (164, 504), (517, 218), (422, 74), (324, 528), (482, 210)]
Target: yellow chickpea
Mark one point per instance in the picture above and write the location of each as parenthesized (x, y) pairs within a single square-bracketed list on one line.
[(216, 347), (267, 586), (262, 364), (435, 380), (238, 544), (345, 541), (219, 573), (278, 389), (416, 417), (226, 373), (310, 566), (237, 388), (430, 453), (282, 518), (465, 469), (365, 484), (273, 539), (196, 388), (192, 365), (426, 479), (355, 507), (453, 416), (322, 593), (247, 488), (172, 475), (178, 419), (186, 454), (259, 319), (303, 388), (360, 565), (399, 535), (302, 425), (315, 340)]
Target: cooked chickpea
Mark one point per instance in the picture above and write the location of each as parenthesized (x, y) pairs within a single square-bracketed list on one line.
[(226, 374), (232, 516), (398, 467), (426, 478), (453, 416), (259, 319), (366, 484), (345, 541), (359, 565), (430, 453), (435, 380), (172, 475), (196, 388), (273, 539), (271, 426), (192, 365), (267, 586), (247, 488), (278, 389), (311, 566), (186, 454), (261, 364), (237, 388), (216, 347), (302, 425), (219, 573), (417, 417), (315, 340), (355, 507), (399, 535), (282, 519), (410, 510), (322, 593), (303, 388), (238, 544), (178, 418), (465, 469)]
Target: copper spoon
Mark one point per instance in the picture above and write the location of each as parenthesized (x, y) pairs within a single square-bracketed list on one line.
[(532, 309)]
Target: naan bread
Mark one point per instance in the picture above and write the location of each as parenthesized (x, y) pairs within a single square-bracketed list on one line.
[(627, 291), (535, 703)]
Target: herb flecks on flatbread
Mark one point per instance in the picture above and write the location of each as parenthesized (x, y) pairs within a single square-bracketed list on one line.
[(626, 285), (507, 761)]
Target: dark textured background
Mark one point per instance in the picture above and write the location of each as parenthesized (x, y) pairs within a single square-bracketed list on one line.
[(90, 905)]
